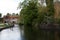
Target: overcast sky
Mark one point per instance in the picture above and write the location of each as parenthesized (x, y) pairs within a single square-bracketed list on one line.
[(9, 6)]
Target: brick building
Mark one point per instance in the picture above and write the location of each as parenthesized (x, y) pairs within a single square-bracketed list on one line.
[(11, 18)]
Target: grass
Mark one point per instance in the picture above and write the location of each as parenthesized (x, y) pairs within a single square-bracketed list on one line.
[(3, 25)]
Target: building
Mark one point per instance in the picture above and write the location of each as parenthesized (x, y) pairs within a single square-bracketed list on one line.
[(14, 19), (11, 18)]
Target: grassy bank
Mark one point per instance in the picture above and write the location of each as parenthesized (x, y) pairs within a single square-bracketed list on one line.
[(3, 25)]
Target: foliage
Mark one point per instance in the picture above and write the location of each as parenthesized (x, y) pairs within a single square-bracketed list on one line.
[(8, 14), (29, 15), (0, 14), (17, 14), (1, 20), (32, 15), (50, 10)]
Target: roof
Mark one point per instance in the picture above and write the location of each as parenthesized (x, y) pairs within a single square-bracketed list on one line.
[(8, 17)]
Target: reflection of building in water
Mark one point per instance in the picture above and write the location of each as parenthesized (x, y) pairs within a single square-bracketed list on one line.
[(11, 18)]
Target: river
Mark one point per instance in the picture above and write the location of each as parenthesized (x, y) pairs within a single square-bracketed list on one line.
[(9, 34)]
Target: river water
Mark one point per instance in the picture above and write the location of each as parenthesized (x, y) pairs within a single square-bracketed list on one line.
[(9, 34)]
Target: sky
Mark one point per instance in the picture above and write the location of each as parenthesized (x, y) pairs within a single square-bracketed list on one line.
[(9, 6)]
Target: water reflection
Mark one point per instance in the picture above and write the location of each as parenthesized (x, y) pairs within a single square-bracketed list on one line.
[(8, 34)]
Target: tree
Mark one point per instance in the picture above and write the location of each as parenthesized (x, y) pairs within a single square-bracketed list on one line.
[(17, 14), (50, 10), (29, 14), (13, 14), (8, 14), (0, 14), (33, 15), (42, 1)]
